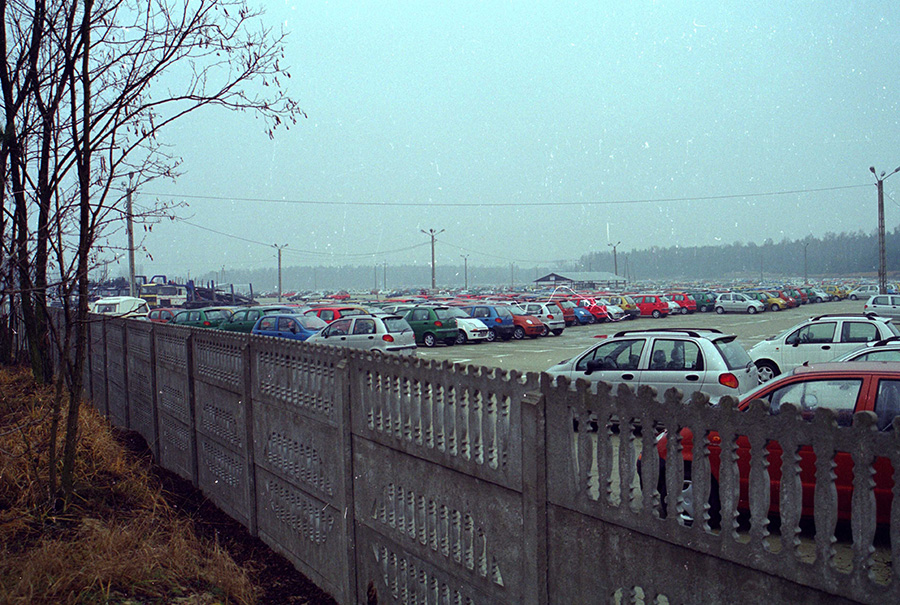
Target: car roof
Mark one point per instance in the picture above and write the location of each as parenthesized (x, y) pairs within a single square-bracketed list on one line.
[(709, 333), (856, 368)]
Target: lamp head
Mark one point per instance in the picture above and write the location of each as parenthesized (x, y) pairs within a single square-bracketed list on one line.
[(872, 170)]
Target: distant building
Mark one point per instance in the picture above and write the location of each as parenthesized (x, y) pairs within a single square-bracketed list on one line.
[(583, 280)]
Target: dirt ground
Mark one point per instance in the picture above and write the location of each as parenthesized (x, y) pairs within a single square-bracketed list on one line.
[(279, 582)]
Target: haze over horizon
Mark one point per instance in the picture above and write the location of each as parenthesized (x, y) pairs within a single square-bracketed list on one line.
[(542, 132)]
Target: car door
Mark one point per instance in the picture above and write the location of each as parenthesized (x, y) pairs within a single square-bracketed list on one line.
[(236, 322), (854, 334), (337, 331), (362, 334), (617, 361), (268, 326), (419, 320), (674, 362), (814, 342)]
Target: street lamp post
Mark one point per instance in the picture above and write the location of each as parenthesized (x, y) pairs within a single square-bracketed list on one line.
[(132, 287), (615, 260), (465, 258), (882, 264), (805, 274), (432, 233), (279, 248)]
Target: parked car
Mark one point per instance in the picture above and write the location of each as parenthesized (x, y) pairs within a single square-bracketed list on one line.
[(735, 302), (877, 350), (817, 295), (651, 305), (625, 303), (330, 313), (497, 318), (120, 306), (527, 325), (244, 319), (288, 325), (817, 340), (684, 300), (787, 297), (568, 310), (549, 314), (385, 333), (597, 310), (844, 388), (582, 315), (836, 292), (469, 329), (769, 300), (207, 317), (706, 301), (691, 360), (162, 315), (884, 305), (432, 325)]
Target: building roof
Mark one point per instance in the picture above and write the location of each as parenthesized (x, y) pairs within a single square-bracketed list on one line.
[(582, 277)]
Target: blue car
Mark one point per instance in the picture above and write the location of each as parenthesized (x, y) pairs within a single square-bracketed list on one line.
[(583, 316), (282, 325), (497, 318)]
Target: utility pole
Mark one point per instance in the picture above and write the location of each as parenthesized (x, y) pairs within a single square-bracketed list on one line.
[(465, 258), (615, 261), (882, 264), (805, 274), (384, 276), (130, 227), (279, 248), (432, 233)]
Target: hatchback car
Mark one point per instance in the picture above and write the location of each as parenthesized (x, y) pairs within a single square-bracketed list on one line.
[(526, 325), (706, 301), (866, 291), (469, 329), (432, 325), (288, 325), (385, 333), (884, 305), (817, 340), (209, 317), (769, 300), (878, 350), (686, 303), (243, 320), (162, 315), (329, 314), (844, 388), (691, 360), (497, 318), (735, 302), (651, 305), (624, 302), (549, 314)]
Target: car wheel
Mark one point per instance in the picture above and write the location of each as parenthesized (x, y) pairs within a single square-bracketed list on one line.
[(819, 299), (751, 310), (461, 337), (776, 307), (450, 341), (519, 333), (429, 340), (492, 335), (656, 314), (684, 310), (720, 310), (853, 297), (545, 331), (702, 309), (557, 332), (591, 319), (767, 370)]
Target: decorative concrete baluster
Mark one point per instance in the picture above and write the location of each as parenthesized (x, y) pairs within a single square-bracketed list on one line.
[(893, 447), (825, 498), (759, 487), (862, 520)]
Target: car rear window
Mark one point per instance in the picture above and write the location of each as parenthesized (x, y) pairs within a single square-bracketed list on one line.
[(311, 322), (396, 324), (736, 358), (893, 329), (217, 314), (444, 313), (503, 312)]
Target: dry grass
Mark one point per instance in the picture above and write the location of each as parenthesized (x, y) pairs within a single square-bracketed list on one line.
[(117, 542)]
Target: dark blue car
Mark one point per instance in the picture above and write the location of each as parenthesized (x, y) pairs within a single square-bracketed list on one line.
[(296, 327), (497, 318)]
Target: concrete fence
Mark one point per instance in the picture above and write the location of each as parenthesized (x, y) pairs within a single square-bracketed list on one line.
[(397, 480)]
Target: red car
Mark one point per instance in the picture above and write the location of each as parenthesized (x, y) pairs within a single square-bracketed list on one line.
[(162, 315), (329, 314), (846, 388), (685, 301), (788, 298), (598, 311), (652, 305)]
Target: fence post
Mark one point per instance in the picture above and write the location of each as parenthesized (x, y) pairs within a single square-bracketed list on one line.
[(195, 461), (534, 496), (249, 376), (343, 387)]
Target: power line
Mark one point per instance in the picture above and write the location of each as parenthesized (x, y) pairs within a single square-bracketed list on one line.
[(513, 204)]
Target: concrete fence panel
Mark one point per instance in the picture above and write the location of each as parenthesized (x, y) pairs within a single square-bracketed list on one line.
[(141, 382), (97, 348), (175, 401), (116, 373)]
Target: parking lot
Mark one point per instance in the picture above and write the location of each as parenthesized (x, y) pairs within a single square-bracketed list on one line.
[(539, 354)]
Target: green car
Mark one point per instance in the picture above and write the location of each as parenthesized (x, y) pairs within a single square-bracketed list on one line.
[(243, 320), (432, 324), (706, 301), (209, 317)]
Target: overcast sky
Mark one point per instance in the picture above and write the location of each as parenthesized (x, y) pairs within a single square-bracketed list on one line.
[(538, 131)]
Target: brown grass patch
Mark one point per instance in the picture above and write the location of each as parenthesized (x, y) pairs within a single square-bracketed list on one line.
[(117, 542)]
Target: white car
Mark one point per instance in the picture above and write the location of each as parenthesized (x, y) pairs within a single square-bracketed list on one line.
[(120, 306), (863, 292), (736, 302), (817, 340), (470, 329)]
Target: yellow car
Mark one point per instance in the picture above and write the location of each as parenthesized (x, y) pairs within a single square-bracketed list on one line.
[(836, 292), (772, 301), (625, 303)]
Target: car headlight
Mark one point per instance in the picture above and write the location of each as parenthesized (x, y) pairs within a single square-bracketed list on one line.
[(529, 322)]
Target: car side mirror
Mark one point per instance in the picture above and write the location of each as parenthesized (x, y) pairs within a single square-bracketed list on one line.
[(592, 366)]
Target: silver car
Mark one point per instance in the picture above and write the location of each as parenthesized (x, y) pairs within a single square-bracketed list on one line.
[(386, 333), (690, 360), (736, 302), (884, 305), (549, 314)]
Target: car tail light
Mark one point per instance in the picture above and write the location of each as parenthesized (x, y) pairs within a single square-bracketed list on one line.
[(438, 324), (729, 380), (498, 320), (207, 324), (549, 317), (387, 338)]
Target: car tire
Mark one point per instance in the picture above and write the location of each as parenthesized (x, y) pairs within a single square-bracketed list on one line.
[(776, 307), (853, 297), (591, 320), (684, 310), (429, 340), (751, 310), (558, 332), (819, 299), (656, 314), (450, 341), (519, 333), (492, 335), (720, 310), (767, 370), (702, 309), (545, 331), (461, 337)]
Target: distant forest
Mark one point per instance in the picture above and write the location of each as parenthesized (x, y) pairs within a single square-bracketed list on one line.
[(832, 256)]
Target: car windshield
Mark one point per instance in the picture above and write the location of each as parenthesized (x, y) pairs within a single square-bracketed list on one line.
[(504, 312), (395, 325), (214, 314), (311, 322), (736, 358), (445, 313)]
